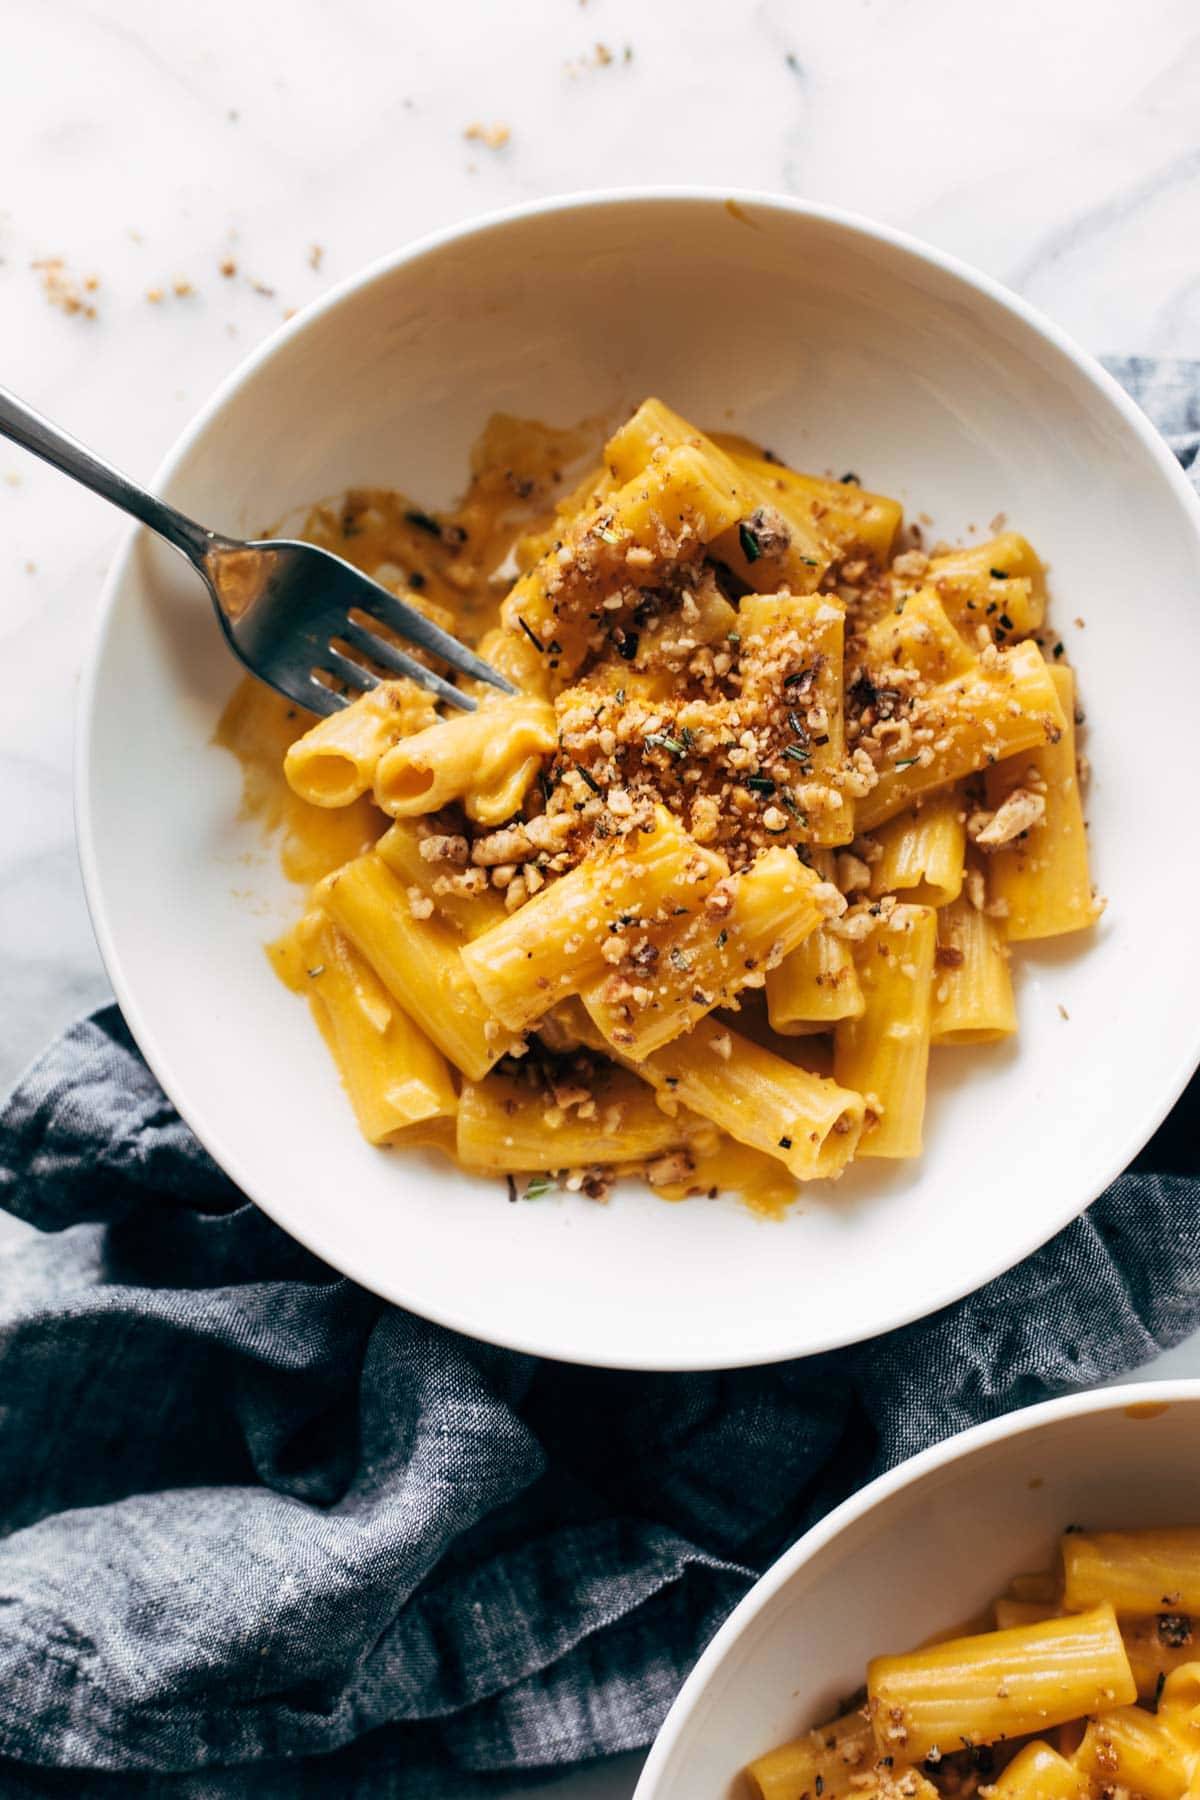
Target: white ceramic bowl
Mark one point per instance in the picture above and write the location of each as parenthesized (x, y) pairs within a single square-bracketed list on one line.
[(843, 346), (922, 1548)]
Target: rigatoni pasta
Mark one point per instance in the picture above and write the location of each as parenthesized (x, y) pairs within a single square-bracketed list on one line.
[(1041, 1708), (770, 765)]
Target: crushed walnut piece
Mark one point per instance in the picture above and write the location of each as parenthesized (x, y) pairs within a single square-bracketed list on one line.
[(1018, 813)]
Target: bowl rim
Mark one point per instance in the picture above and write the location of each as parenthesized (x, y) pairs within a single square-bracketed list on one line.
[(957, 1448), (209, 1132)]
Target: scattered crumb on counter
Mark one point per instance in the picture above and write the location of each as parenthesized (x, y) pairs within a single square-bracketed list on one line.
[(494, 137), (182, 287), (1062, 1011), (1078, 623), (316, 255), (228, 268), (64, 290), (260, 287), (154, 295), (602, 56)]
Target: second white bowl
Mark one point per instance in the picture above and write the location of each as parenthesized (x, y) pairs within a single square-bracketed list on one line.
[(916, 1552)]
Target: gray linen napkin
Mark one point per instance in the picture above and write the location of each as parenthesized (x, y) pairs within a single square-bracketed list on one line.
[(261, 1533)]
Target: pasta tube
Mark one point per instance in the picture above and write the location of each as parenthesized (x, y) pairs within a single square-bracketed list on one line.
[(470, 913), (1040, 1773), (1000, 1684), (675, 973), (683, 501), (972, 987), (556, 944), (335, 760), (922, 852), (1000, 584), (394, 1076), (918, 635), (774, 544), (1157, 1646), (994, 711), (505, 1125), (814, 987), (808, 1123), (1179, 1703), (418, 961), (1042, 876), (487, 759), (1129, 1749), (1138, 1572), (842, 512), (884, 1054), (832, 1761)]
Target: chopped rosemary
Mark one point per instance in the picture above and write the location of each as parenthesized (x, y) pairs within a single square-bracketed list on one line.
[(1058, 650), (748, 539), (850, 479), (416, 580), (790, 804), (722, 939), (797, 753), (1006, 621), (620, 696), (998, 574), (760, 784), (608, 536), (628, 647), (532, 635), (734, 638), (798, 727), (537, 1186), (584, 776), (658, 740), (679, 959), (424, 522), (906, 762)]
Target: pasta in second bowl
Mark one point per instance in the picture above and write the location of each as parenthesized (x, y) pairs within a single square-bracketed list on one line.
[(867, 354), (1049, 1565)]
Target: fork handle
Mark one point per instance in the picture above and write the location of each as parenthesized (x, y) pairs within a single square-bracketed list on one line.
[(29, 429)]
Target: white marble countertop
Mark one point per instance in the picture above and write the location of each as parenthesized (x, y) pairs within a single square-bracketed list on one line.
[(146, 146)]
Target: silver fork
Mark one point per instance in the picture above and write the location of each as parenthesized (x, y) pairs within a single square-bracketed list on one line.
[(289, 611)]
